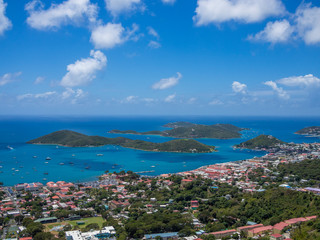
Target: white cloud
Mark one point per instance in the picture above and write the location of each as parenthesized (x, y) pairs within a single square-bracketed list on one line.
[(248, 11), (5, 23), (153, 32), (68, 12), (275, 32), (83, 71), (154, 44), (281, 93), (168, 1), (192, 100), (130, 99), (167, 82), (44, 95), (111, 34), (75, 94), (39, 80), (307, 81), (215, 102), (117, 7), (170, 98), (308, 23), (8, 77), (238, 87)]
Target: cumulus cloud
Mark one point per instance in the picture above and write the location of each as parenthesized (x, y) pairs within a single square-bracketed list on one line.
[(167, 82), (84, 71), (238, 87), (5, 23), (301, 81), (8, 77), (68, 12), (275, 32), (112, 34), (74, 94), (116, 7), (154, 44), (308, 23), (168, 1), (281, 93), (170, 98), (248, 11)]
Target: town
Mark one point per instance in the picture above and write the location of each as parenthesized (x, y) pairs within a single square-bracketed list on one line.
[(259, 198)]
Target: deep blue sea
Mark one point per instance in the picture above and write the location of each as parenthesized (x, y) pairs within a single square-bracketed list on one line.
[(81, 164)]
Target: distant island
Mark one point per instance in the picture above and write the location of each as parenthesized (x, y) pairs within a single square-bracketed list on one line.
[(260, 142), (74, 139), (192, 130), (310, 131)]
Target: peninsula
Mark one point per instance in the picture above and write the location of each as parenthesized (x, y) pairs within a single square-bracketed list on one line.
[(192, 130), (74, 139), (260, 142), (313, 131)]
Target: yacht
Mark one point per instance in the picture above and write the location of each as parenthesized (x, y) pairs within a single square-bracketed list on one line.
[(48, 158)]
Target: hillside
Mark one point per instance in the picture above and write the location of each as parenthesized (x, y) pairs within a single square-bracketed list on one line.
[(310, 131), (262, 141), (191, 130), (73, 139)]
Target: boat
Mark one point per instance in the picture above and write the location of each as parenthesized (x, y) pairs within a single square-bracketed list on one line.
[(17, 170), (45, 173), (73, 155), (61, 163), (99, 154), (11, 148), (44, 179), (153, 166), (34, 156), (57, 146), (87, 167), (45, 162), (71, 163), (48, 158)]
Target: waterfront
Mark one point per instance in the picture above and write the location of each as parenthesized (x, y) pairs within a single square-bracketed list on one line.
[(82, 164)]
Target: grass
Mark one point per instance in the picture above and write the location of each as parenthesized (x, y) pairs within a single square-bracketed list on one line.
[(87, 221)]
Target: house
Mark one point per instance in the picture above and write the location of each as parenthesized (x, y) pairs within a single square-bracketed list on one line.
[(164, 236), (249, 227), (276, 236), (225, 233), (260, 230), (194, 204), (278, 228)]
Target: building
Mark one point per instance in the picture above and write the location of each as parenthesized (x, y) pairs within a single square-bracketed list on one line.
[(260, 230), (249, 227), (103, 234), (225, 233), (164, 236)]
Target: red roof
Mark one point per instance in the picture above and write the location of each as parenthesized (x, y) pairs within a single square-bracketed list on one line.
[(250, 227), (261, 229), (280, 225), (223, 232), (276, 235)]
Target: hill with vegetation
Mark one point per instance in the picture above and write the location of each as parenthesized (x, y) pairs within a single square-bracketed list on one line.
[(74, 139), (191, 130), (260, 142), (311, 131)]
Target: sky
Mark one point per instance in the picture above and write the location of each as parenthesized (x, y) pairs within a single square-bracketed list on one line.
[(160, 57)]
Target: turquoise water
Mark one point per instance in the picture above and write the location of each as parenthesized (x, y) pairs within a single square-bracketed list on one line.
[(81, 164)]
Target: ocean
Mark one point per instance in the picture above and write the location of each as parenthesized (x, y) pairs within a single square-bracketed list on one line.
[(21, 162)]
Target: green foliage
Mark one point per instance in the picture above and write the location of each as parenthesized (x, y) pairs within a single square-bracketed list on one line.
[(306, 169), (262, 141), (74, 139)]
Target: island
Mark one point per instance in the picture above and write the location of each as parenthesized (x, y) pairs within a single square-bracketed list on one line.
[(262, 142), (191, 130), (313, 131), (74, 139)]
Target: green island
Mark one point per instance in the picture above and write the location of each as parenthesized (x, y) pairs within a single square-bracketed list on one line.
[(260, 142), (192, 130), (74, 139), (313, 131)]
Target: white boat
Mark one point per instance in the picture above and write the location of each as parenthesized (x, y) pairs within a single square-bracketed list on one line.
[(11, 148), (34, 156), (153, 166), (99, 154), (48, 158)]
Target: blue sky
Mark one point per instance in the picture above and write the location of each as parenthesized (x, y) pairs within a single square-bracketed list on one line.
[(160, 57)]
